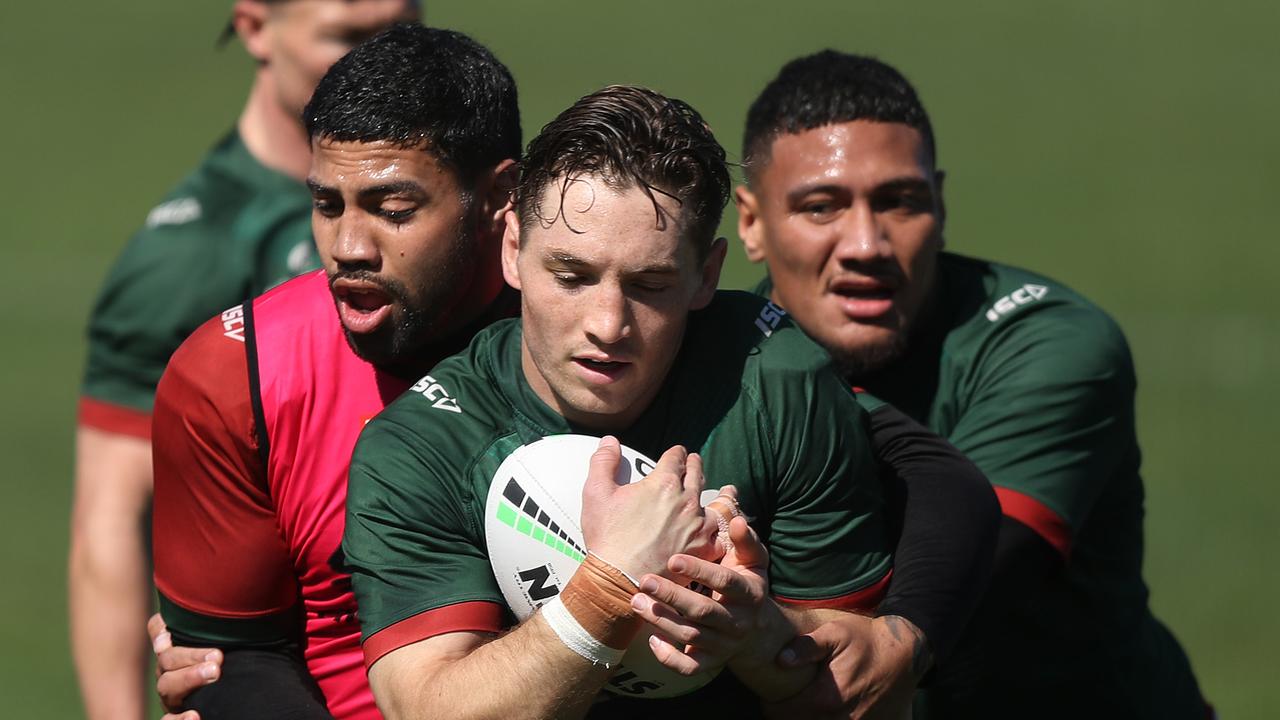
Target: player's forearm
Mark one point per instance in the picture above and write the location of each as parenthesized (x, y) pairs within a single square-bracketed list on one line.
[(109, 592), (108, 605), (527, 673), (944, 552), (552, 665)]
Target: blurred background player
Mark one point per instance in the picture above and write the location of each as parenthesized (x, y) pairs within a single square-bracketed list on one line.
[(238, 224), (1034, 383)]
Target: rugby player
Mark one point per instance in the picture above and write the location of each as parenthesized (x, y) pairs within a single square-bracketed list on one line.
[(1032, 381), (414, 137), (238, 224), (612, 246)]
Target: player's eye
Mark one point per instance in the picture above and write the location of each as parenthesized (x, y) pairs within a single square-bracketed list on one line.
[(568, 280), (396, 216), (326, 207), (905, 201), (819, 210), (650, 287), (394, 209)]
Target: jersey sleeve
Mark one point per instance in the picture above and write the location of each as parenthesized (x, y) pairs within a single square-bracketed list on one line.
[(168, 280), (943, 556), (1051, 419), (223, 570), (418, 565), (828, 543)]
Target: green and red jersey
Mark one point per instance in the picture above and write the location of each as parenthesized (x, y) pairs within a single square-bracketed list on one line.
[(228, 231), (1035, 384), (762, 403)]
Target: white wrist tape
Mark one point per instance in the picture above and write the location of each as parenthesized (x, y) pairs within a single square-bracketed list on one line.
[(576, 638), (625, 574)]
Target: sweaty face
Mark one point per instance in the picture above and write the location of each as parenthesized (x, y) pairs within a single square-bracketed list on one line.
[(607, 289), (303, 38), (849, 219), (397, 235)]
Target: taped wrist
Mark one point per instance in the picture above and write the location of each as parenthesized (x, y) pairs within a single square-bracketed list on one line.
[(592, 616)]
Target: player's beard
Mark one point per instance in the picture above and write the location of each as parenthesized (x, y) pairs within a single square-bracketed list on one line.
[(872, 358), (420, 315)]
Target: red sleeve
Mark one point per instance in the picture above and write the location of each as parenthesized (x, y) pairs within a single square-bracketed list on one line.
[(1037, 516), (865, 600), (474, 616), (113, 418), (219, 555)]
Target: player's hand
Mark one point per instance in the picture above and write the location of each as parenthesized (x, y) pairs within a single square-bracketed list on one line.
[(869, 669), (180, 670), (705, 632), (638, 527)]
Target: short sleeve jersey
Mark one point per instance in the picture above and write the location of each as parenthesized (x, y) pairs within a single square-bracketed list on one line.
[(1035, 384), (760, 401), (255, 419), (230, 230)]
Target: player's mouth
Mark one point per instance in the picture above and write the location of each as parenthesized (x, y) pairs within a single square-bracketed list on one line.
[(863, 298), (363, 306), (600, 369)]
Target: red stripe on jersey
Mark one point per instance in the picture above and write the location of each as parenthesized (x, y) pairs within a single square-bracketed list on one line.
[(114, 418), (474, 616), (864, 600), (1037, 516)]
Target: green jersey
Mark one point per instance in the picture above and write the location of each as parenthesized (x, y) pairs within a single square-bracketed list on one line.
[(761, 402), (1036, 385), (230, 230)]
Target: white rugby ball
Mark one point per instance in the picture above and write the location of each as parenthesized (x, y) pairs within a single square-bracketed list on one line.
[(534, 536)]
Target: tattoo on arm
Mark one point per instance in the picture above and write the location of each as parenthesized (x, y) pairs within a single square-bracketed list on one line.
[(904, 631)]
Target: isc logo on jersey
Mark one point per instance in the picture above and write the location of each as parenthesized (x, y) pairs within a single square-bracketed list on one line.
[(770, 316), (1026, 294), (533, 532), (439, 397), (233, 323)]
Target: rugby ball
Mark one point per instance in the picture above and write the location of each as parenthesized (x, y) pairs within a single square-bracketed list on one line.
[(534, 536)]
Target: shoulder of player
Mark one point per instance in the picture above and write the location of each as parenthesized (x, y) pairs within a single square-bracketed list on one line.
[(762, 333), (1027, 313), (212, 350), (187, 236), (456, 405), (222, 203)]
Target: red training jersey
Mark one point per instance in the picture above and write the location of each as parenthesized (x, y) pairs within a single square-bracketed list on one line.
[(254, 424)]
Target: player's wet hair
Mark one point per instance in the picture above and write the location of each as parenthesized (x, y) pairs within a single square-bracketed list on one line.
[(631, 137), (418, 86), (828, 88)]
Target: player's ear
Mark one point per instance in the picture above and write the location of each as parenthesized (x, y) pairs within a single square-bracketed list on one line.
[(249, 18), (749, 228), (709, 276), (511, 249), (499, 194)]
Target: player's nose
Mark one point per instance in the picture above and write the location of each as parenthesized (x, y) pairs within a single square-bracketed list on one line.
[(862, 239), (606, 319), (354, 244)]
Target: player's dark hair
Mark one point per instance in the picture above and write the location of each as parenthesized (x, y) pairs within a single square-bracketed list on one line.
[(828, 88), (631, 137), (418, 86)]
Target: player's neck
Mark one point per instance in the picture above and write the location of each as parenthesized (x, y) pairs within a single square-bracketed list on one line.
[(274, 137)]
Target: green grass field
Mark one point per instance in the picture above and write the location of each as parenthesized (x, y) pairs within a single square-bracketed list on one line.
[(1127, 149)]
